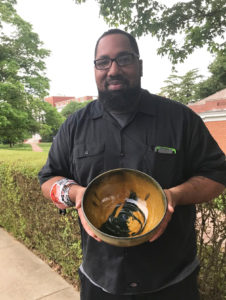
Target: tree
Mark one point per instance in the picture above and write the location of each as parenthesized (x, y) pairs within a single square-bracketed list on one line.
[(21, 53), (49, 120), (190, 87), (15, 130), (182, 88), (196, 23), (72, 107), (217, 80), (17, 119), (22, 75)]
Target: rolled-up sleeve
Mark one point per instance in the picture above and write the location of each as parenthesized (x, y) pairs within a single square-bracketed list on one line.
[(58, 162), (204, 155)]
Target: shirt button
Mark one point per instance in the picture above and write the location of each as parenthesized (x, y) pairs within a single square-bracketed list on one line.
[(86, 152), (133, 284), (122, 154)]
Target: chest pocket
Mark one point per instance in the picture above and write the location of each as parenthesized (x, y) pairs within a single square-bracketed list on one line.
[(166, 168), (88, 161)]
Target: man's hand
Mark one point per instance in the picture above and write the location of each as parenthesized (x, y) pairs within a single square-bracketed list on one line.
[(169, 213), (86, 226), (76, 194), (195, 190)]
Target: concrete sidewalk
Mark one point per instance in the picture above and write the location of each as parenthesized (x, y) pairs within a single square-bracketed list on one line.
[(24, 276)]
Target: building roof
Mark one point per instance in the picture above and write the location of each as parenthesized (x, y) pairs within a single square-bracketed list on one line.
[(220, 95), (215, 102)]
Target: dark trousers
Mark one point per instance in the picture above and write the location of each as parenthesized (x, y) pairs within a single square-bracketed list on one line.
[(185, 290)]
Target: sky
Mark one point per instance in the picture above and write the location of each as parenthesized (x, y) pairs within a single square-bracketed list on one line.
[(70, 32)]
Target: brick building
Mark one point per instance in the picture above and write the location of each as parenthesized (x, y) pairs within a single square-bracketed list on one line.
[(61, 101), (213, 112)]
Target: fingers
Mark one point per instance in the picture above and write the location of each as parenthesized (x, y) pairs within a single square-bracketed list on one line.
[(164, 223), (77, 192), (170, 197), (86, 226), (79, 195)]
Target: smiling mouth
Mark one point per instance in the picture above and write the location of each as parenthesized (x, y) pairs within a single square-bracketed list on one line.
[(115, 85)]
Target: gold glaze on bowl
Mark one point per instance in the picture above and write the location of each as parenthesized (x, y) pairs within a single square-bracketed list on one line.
[(124, 207)]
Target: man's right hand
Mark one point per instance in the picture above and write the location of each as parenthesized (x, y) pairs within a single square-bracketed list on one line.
[(76, 193)]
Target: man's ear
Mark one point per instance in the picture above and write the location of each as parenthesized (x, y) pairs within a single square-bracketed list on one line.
[(141, 67)]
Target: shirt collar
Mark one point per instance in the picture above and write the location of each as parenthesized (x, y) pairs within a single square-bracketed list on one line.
[(97, 110), (148, 103)]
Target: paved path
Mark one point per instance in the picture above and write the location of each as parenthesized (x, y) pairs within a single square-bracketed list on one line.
[(24, 276), (34, 145)]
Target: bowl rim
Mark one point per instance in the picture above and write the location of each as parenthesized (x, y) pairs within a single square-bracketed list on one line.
[(142, 236)]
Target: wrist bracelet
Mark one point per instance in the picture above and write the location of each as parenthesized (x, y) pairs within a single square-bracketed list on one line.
[(59, 193)]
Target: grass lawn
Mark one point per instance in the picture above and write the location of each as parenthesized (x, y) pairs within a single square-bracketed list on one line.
[(45, 146), (24, 147), (22, 157)]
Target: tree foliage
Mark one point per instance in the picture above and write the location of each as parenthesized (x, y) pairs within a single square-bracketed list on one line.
[(16, 119), (195, 23), (192, 87), (72, 107), (49, 119), (182, 88), (22, 75), (21, 52), (217, 79)]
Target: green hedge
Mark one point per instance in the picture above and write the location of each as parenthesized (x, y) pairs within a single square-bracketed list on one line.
[(36, 222)]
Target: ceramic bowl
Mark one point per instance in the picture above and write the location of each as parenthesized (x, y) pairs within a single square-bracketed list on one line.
[(124, 207)]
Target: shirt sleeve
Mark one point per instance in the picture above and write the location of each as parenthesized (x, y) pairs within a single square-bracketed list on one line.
[(58, 162), (204, 155)]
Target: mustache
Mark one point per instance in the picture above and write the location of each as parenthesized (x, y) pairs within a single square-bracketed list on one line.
[(112, 79)]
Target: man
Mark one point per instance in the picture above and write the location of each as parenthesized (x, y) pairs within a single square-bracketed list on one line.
[(128, 127)]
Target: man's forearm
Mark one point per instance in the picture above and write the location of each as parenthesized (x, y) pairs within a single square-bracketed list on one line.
[(196, 190), (46, 186)]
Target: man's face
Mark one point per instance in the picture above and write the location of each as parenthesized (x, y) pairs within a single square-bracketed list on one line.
[(117, 78)]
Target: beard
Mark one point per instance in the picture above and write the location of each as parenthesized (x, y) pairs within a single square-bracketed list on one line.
[(120, 101)]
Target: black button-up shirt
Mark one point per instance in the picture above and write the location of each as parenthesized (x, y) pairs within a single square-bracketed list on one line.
[(164, 139)]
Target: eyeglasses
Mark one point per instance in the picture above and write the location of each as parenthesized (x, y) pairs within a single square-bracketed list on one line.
[(122, 60)]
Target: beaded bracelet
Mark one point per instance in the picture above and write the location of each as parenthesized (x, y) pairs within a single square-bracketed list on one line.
[(59, 193)]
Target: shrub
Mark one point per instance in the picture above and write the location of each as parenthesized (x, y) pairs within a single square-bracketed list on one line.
[(210, 226)]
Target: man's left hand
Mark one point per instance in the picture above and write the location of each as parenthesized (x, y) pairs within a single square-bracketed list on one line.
[(167, 218)]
